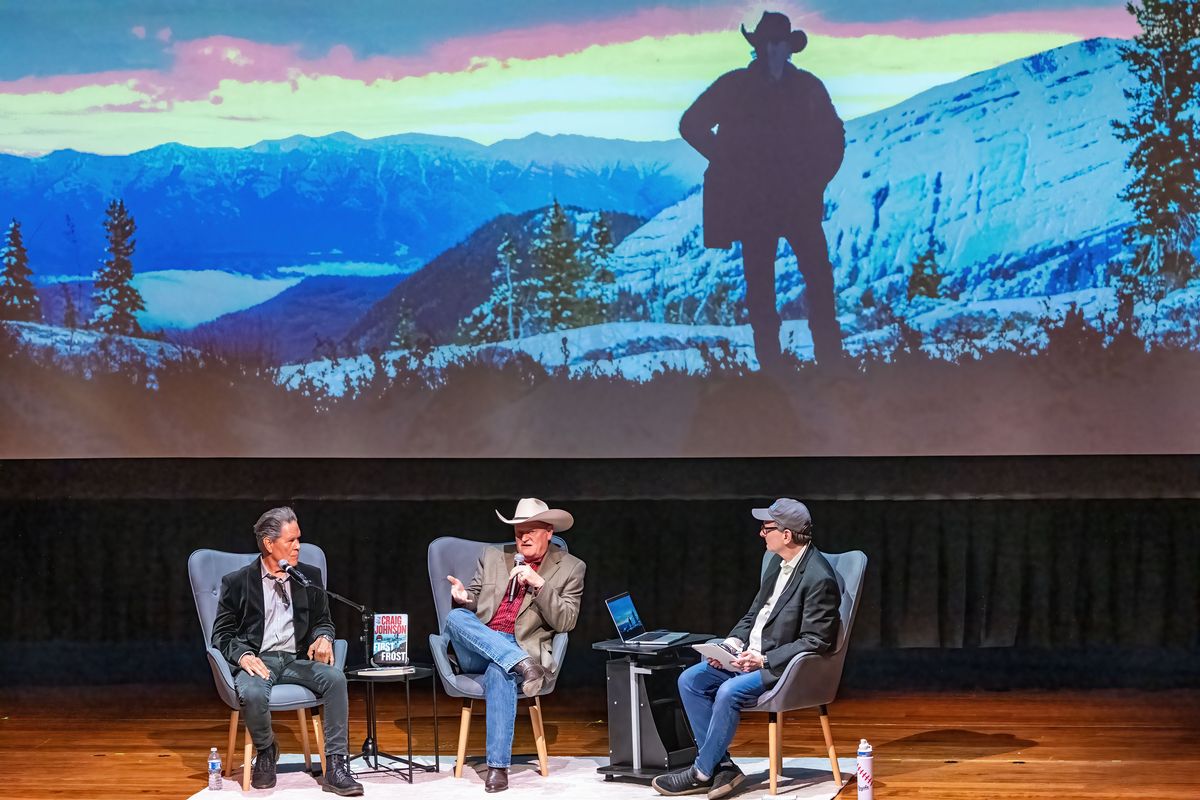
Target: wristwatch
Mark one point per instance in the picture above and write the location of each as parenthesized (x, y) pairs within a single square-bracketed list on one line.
[(764, 658)]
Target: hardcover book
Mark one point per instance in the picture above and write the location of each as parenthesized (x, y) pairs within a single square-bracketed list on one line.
[(389, 645)]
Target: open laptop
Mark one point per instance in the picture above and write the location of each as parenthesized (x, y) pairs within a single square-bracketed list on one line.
[(629, 624)]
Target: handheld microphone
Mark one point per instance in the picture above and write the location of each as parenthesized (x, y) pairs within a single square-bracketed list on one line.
[(299, 576), (518, 560)]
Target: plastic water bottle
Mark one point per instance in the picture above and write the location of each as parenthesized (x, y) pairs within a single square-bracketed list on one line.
[(865, 769), (214, 770)]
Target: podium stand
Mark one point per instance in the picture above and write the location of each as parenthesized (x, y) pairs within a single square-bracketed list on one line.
[(648, 731)]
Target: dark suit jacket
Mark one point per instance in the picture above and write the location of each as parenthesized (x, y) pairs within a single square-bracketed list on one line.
[(804, 620), (238, 627)]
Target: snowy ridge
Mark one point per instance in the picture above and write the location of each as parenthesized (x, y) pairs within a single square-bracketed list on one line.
[(93, 350), (638, 351)]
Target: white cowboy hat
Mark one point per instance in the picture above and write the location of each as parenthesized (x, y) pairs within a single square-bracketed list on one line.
[(530, 509)]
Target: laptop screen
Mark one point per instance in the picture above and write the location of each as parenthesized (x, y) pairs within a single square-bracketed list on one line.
[(625, 616)]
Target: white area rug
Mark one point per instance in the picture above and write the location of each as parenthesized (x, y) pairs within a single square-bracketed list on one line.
[(570, 779)]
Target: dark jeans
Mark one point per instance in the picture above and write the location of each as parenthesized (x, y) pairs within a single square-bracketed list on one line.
[(812, 255), (327, 682)]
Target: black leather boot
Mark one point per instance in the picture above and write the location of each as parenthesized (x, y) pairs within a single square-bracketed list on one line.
[(533, 676), (338, 778), (263, 776)]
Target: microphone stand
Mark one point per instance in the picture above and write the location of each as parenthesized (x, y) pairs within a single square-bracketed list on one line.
[(370, 747), (366, 615)]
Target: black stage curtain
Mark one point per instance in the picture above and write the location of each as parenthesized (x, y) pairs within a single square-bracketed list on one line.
[(97, 588)]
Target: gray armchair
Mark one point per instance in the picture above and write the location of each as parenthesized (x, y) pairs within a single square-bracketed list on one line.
[(811, 680), (205, 570), (450, 555)]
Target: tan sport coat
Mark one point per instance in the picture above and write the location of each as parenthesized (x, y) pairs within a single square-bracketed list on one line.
[(554, 610)]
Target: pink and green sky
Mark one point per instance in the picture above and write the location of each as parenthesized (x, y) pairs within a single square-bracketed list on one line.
[(117, 76)]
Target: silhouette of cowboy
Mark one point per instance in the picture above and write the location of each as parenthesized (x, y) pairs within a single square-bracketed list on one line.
[(773, 142)]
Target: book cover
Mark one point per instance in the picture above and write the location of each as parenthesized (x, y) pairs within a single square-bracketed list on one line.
[(389, 645)]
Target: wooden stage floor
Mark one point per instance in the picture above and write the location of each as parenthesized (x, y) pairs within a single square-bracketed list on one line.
[(120, 742)]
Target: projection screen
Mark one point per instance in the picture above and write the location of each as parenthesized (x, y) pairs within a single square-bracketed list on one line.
[(597, 229)]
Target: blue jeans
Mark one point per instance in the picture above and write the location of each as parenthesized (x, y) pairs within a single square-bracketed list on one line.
[(713, 700), (482, 650)]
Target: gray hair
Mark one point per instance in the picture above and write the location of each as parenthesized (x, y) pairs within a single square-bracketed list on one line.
[(804, 536), (271, 523)]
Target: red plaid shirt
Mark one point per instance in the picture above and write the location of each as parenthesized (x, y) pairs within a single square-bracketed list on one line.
[(505, 618)]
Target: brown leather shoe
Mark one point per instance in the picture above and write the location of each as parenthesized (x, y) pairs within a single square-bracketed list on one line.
[(533, 676), (497, 780)]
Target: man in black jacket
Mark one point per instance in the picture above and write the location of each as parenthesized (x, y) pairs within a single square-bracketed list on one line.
[(264, 623), (794, 612)]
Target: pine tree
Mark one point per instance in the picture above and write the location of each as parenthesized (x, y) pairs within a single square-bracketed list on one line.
[(404, 334), (18, 297), (510, 262), (559, 269), (602, 281), (925, 279), (116, 300), (70, 313), (1165, 189)]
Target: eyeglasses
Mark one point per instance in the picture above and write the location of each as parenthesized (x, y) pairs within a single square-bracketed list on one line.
[(766, 529)]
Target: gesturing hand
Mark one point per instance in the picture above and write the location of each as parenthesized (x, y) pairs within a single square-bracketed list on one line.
[(255, 666), (458, 592)]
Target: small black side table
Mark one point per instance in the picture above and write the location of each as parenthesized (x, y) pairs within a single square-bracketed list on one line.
[(370, 750)]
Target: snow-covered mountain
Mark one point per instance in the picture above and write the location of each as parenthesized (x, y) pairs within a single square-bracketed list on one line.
[(1015, 171), (398, 199)]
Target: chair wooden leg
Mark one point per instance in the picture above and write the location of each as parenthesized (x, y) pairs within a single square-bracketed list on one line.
[(773, 749), (318, 723), (233, 728), (779, 748), (539, 735), (464, 728), (246, 763), (833, 765), (303, 715)]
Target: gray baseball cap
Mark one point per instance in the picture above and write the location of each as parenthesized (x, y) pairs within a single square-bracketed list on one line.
[(787, 513)]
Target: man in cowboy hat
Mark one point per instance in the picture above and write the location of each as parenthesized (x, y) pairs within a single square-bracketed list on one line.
[(794, 612), (777, 144), (508, 616)]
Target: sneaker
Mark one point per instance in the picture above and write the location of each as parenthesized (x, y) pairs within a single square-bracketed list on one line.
[(681, 782), (728, 778)]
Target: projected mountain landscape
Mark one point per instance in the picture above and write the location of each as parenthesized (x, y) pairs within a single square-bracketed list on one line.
[(975, 228)]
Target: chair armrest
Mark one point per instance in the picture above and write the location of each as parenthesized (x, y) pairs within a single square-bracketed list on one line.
[(809, 679), (558, 651), (339, 653), (222, 677), (439, 647)]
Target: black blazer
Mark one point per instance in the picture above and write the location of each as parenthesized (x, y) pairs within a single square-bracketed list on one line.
[(238, 627), (804, 620)]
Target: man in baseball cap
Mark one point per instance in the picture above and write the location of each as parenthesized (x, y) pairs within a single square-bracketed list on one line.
[(794, 612)]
